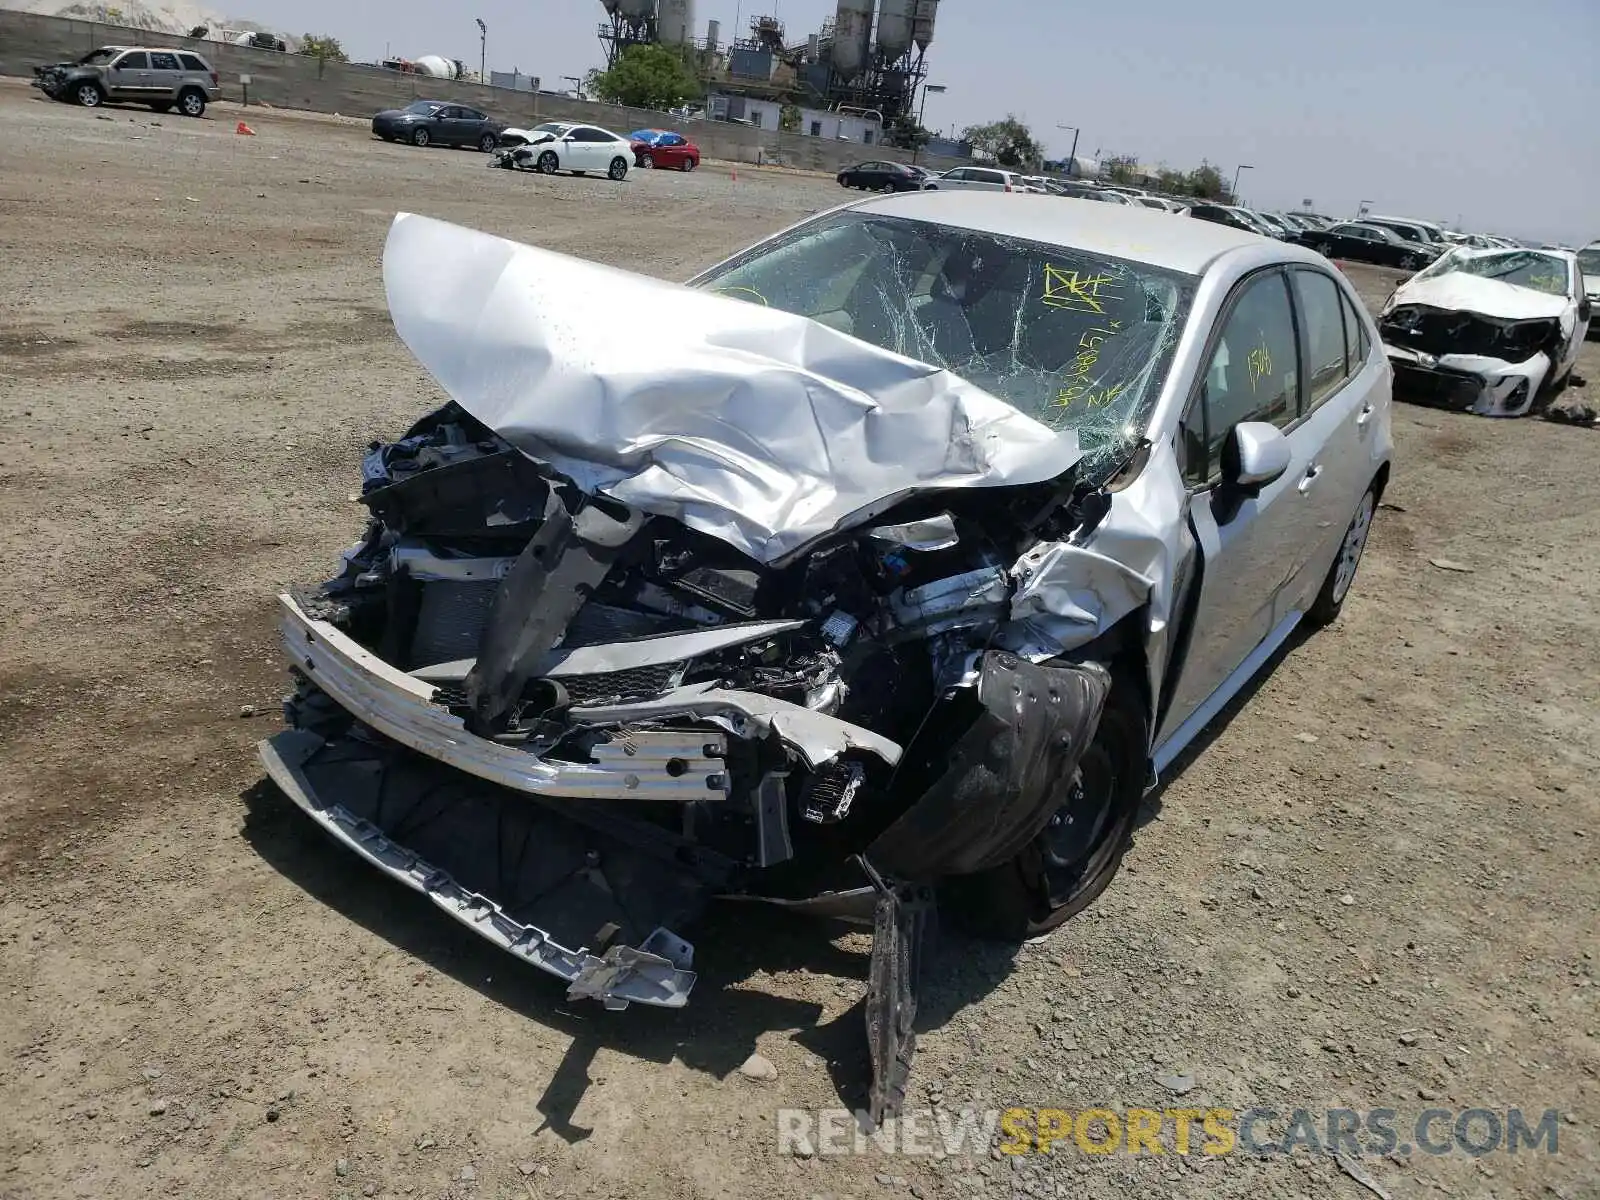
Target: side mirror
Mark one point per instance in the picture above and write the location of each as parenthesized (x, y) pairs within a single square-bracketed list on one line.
[(1585, 309), (1255, 454)]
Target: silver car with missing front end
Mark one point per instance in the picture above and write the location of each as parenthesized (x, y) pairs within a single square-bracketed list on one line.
[(936, 528)]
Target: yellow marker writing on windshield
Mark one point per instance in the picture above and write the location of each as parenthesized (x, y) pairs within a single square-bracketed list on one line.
[(1076, 291)]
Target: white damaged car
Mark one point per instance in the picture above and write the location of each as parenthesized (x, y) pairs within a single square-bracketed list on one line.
[(1487, 331)]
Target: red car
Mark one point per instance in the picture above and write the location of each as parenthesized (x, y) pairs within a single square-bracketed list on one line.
[(663, 148)]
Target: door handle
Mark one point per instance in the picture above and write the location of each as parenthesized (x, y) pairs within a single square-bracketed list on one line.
[(1309, 478), (1365, 415)]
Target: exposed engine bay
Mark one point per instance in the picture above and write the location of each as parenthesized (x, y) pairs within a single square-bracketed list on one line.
[(572, 724)]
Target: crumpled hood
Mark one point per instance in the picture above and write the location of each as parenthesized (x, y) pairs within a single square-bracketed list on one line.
[(1461, 291), (750, 424)]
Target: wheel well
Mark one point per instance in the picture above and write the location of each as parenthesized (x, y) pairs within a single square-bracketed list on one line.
[(1380, 481), (1121, 649)]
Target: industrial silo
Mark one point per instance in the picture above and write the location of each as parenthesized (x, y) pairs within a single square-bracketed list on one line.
[(852, 34), (675, 25), (894, 27), (713, 35), (922, 18)]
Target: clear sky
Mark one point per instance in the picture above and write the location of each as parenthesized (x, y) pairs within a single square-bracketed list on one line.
[(1487, 111)]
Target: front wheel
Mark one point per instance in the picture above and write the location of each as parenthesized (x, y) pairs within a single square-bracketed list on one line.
[(89, 95), (1075, 857), (619, 169), (420, 137), (1410, 262), (192, 103), (548, 163), (1325, 608), (647, 161), (690, 164), (487, 143)]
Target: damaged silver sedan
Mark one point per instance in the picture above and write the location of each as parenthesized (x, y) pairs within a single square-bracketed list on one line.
[(1488, 331), (883, 566)]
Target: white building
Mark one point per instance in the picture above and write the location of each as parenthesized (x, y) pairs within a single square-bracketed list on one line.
[(814, 122)]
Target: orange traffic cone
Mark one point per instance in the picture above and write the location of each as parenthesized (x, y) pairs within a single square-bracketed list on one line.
[(241, 127)]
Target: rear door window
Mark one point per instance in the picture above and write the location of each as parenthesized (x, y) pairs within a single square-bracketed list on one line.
[(1356, 345), (1322, 333), (191, 62)]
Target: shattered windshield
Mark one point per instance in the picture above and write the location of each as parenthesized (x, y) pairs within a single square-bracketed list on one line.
[(104, 54), (1077, 340), (1589, 261), (1521, 268)]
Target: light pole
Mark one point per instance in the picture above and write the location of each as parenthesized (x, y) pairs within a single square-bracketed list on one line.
[(1072, 155), (483, 51), (916, 137), (1235, 190)]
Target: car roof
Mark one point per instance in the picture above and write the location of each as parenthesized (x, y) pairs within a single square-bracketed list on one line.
[(1120, 230), (1405, 221)]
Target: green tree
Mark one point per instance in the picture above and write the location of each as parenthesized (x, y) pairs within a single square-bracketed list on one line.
[(905, 134), (1009, 142), (327, 49), (1172, 182), (647, 77), (1206, 182), (1120, 168)]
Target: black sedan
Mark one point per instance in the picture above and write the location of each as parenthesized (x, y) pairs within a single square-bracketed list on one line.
[(881, 177), (1369, 244), (438, 123)]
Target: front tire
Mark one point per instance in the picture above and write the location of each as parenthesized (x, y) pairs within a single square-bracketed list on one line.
[(1075, 857), (690, 164), (1330, 600), (419, 137), (487, 143), (192, 103), (619, 169), (548, 163), (647, 162), (89, 95), (1410, 262)]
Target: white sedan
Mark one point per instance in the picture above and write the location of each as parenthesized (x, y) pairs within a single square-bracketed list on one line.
[(563, 146)]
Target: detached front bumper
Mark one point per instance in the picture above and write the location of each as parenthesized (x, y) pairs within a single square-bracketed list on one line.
[(1490, 387), (575, 890)]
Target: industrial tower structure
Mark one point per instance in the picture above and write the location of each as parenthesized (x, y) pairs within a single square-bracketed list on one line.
[(868, 57)]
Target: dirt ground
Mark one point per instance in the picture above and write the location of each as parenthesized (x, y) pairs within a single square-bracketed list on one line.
[(1374, 886)]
